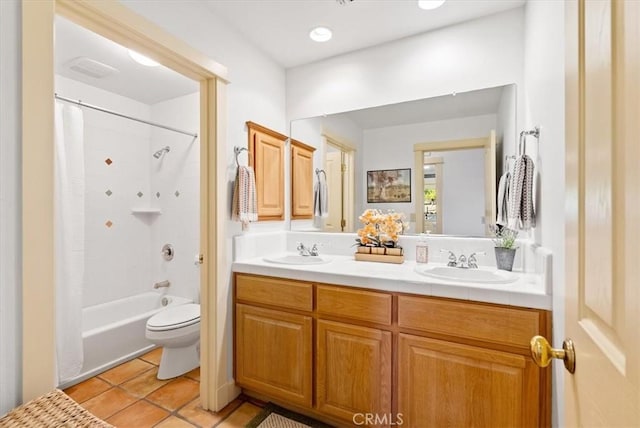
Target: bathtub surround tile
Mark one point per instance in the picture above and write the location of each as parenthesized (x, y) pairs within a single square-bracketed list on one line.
[(126, 371), (175, 394), (144, 384), (139, 415), (194, 413), (88, 389), (174, 422), (241, 417), (153, 357), (109, 403)]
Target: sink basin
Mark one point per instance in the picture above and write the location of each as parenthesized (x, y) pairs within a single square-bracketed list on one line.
[(293, 259), (481, 276)]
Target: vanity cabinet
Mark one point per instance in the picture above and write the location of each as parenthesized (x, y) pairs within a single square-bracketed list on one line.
[(412, 360), (302, 174), (266, 156)]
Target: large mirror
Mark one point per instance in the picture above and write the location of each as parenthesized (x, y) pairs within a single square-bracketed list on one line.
[(437, 160)]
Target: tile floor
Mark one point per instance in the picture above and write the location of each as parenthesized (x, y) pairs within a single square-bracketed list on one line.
[(130, 395)]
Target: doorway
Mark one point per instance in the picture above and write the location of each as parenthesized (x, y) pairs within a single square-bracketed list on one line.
[(339, 168)]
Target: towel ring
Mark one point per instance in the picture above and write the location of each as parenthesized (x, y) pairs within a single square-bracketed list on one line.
[(237, 151)]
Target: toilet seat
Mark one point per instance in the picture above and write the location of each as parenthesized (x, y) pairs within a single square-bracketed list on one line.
[(175, 317)]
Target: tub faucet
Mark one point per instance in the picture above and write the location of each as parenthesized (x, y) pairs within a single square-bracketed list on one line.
[(161, 284)]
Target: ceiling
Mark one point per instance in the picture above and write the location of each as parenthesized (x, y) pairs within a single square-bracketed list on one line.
[(465, 104), (281, 27), (148, 85)]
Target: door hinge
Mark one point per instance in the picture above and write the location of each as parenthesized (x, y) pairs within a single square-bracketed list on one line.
[(201, 259), (343, 167), (343, 223)]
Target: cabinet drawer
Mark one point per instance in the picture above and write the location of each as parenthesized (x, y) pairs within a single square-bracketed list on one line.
[(508, 326), (274, 291), (354, 304)]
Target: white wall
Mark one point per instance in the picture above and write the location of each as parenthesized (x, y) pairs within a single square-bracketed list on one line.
[(544, 100), (392, 148), (483, 53), (176, 177), (506, 127), (10, 207)]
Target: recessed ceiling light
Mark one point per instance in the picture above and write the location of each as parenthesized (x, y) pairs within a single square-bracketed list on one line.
[(141, 59), (320, 34), (430, 4)]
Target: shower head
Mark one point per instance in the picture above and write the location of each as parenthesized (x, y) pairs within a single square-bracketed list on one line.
[(162, 151)]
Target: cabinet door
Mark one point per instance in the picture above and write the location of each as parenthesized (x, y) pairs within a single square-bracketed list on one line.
[(354, 371), (268, 162), (301, 181), (273, 353), (444, 384)]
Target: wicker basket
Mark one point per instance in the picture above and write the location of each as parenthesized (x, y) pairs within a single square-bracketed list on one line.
[(55, 409)]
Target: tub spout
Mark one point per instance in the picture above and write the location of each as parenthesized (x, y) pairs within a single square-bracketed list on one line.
[(161, 284)]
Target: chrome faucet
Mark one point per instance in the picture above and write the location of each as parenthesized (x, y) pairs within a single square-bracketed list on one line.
[(462, 262), (453, 260), (304, 251), (473, 261)]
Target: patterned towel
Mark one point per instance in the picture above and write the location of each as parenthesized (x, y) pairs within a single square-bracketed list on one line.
[(521, 212), (503, 199), (321, 197), (244, 206)]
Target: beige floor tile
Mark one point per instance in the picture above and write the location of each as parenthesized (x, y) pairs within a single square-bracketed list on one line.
[(194, 374), (144, 384), (153, 357), (194, 413), (139, 415), (174, 422), (88, 389), (240, 417), (175, 394), (125, 371), (109, 403)]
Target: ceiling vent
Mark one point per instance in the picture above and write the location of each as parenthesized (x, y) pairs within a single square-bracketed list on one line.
[(90, 67)]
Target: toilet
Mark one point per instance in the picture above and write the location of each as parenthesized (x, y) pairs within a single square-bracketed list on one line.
[(177, 330)]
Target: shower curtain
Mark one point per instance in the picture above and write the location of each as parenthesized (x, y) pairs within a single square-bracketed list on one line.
[(69, 239)]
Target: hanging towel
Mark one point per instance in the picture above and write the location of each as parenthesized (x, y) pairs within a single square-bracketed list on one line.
[(244, 206), (503, 199), (521, 213), (321, 197)]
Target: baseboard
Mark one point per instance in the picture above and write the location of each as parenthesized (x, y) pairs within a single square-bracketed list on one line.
[(226, 394)]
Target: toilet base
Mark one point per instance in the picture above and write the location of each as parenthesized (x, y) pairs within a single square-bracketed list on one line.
[(178, 361)]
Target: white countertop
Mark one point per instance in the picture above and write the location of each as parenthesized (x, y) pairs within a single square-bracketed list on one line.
[(527, 291)]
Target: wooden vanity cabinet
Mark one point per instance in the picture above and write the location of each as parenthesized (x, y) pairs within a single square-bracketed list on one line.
[(302, 174), (422, 361), (266, 156)]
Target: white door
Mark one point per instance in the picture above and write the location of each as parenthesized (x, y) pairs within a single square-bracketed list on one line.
[(333, 168), (603, 212)]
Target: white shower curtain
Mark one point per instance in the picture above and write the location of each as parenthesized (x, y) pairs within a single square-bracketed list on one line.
[(69, 239)]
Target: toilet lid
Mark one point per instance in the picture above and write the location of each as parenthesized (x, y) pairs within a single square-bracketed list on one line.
[(175, 317)]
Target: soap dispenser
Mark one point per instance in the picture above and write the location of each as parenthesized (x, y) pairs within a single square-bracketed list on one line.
[(422, 250)]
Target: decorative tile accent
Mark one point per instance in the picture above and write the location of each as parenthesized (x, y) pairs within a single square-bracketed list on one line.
[(108, 161), (139, 194), (109, 223), (109, 192), (177, 193), (158, 195)]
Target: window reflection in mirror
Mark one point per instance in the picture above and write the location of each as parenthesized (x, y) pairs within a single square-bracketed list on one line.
[(384, 138)]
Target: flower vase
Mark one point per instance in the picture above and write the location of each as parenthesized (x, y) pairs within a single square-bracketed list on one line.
[(504, 258)]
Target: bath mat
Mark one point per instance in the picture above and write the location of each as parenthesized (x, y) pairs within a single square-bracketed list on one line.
[(273, 416)]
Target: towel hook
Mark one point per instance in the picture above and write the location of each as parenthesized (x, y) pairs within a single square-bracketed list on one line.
[(535, 132), (237, 150), (318, 171)]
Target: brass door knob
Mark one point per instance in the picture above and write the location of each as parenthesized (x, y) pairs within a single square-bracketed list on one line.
[(543, 353)]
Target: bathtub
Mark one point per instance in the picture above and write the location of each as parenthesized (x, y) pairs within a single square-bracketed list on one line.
[(114, 332)]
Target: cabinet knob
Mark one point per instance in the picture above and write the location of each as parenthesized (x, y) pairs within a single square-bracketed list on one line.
[(542, 353)]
